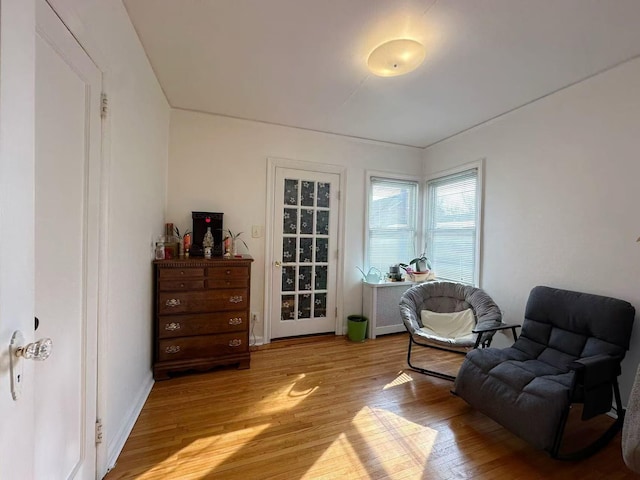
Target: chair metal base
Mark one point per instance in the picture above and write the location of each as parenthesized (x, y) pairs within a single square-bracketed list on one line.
[(480, 342), (599, 443), (425, 371)]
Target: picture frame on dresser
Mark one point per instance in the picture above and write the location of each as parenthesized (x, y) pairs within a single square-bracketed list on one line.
[(201, 314)]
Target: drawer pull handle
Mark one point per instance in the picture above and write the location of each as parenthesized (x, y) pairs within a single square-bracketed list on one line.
[(228, 272), (235, 321), (236, 342), (181, 272), (173, 302), (235, 299), (182, 285), (172, 349), (172, 326)]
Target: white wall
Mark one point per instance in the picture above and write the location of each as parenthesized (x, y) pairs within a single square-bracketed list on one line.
[(219, 164), (561, 195), (137, 155)]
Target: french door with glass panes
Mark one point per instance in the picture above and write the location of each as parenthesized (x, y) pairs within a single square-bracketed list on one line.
[(305, 253)]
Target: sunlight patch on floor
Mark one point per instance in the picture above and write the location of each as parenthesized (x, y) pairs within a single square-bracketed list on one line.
[(337, 461), (377, 444), (399, 380), (287, 396), (206, 453)]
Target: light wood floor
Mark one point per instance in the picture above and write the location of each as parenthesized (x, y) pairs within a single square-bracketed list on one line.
[(325, 408)]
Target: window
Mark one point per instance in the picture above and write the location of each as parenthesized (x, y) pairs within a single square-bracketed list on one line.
[(393, 224), (453, 219)]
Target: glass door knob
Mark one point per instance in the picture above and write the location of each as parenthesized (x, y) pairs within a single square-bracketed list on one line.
[(39, 350)]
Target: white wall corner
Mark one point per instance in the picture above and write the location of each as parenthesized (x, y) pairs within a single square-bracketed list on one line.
[(117, 444)]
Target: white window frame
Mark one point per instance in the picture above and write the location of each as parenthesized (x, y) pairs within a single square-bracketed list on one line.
[(478, 165), (418, 240)]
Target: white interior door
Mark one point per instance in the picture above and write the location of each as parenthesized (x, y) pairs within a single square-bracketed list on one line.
[(305, 239), (17, 18), (67, 171)]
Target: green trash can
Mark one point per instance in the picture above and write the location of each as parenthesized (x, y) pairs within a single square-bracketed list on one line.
[(357, 327)]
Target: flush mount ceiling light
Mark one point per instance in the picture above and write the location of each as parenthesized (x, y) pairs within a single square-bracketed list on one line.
[(396, 57)]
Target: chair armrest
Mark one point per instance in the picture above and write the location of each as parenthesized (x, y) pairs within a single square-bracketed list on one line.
[(494, 328), (488, 327), (596, 370)]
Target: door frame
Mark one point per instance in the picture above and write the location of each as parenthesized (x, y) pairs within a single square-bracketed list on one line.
[(272, 164)]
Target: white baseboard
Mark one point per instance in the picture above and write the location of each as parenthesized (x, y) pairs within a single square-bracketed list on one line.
[(117, 444), (390, 329), (253, 341)]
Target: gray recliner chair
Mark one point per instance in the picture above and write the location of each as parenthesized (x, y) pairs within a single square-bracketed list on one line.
[(569, 351), (449, 297)]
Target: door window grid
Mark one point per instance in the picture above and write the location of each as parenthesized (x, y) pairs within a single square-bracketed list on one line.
[(305, 249)]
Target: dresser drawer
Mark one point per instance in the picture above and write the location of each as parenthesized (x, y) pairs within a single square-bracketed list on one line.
[(170, 326), (228, 282), (203, 301), (177, 273), (184, 284), (227, 272), (227, 277), (203, 346)]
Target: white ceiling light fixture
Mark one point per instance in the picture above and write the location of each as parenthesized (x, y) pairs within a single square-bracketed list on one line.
[(396, 57)]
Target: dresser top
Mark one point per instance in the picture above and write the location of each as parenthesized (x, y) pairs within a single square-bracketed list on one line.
[(204, 262)]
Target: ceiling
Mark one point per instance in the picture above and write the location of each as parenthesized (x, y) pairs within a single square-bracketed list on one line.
[(302, 63)]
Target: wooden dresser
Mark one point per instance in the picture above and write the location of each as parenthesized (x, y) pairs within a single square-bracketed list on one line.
[(201, 314)]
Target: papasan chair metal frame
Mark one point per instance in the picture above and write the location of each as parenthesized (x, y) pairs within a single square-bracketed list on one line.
[(450, 297)]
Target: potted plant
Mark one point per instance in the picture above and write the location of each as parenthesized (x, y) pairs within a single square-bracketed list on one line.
[(233, 237), (422, 263), (185, 241), (422, 268)]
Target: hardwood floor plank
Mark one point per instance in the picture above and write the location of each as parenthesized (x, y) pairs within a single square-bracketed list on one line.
[(325, 408)]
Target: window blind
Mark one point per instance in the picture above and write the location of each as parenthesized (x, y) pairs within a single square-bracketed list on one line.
[(452, 226), (392, 222)]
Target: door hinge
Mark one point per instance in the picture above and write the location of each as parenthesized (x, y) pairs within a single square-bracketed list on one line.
[(338, 194), (98, 431), (336, 311), (104, 105)]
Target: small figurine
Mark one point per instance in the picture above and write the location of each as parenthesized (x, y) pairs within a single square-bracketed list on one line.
[(207, 243)]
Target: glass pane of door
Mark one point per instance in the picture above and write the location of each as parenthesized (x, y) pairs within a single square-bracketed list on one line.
[(305, 240)]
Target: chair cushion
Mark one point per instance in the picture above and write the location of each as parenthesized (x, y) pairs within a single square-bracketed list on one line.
[(448, 325), (526, 396), (586, 316)]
